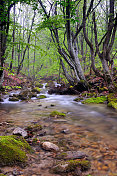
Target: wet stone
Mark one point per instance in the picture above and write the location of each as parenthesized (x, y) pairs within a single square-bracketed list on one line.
[(71, 155), (20, 131), (60, 168), (42, 133), (65, 131), (50, 146)]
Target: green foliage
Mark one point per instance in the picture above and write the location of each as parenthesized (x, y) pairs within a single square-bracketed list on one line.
[(96, 100), (51, 23), (13, 150)]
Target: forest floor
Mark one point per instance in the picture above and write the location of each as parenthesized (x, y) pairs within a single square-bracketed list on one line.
[(102, 153)]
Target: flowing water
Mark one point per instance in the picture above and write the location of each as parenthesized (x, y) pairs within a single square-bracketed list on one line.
[(97, 118)]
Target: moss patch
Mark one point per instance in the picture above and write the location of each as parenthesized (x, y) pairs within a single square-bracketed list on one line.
[(34, 128), (41, 96), (36, 89), (83, 164), (71, 165), (13, 150), (112, 100), (78, 99), (37, 84), (56, 113), (96, 100)]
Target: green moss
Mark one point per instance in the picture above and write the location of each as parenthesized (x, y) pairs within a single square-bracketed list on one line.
[(34, 141), (96, 100), (71, 166), (92, 94), (78, 99), (13, 150), (37, 84), (62, 155), (112, 100), (56, 113), (2, 175), (83, 164), (34, 128), (36, 89), (41, 96)]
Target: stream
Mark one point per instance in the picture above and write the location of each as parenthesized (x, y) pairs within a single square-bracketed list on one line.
[(96, 118)]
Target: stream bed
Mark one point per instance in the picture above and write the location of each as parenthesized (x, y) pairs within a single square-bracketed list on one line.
[(93, 128)]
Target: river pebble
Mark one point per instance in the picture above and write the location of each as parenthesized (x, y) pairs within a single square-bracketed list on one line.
[(50, 146), (71, 155)]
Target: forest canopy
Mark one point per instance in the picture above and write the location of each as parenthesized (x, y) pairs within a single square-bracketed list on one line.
[(67, 39)]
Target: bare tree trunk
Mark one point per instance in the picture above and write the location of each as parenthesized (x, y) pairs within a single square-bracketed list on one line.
[(11, 64), (28, 41), (68, 77)]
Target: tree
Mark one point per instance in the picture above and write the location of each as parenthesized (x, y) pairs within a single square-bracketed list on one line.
[(5, 8), (68, 50), (104, 47)]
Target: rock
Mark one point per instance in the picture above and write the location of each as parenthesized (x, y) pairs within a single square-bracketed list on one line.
[(20, 131), (41, 97), (72, 166), (26, 94), (52, 105), (13, 150), (13, 99), (81, 86), (36, 89), (50, 146), (42, 133), (1, 99), (60, 168), (71, 155), (66, 131), (37, 84)]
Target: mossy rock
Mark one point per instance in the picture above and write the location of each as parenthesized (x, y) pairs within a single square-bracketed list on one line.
[(78, 99), (36, 89), (13, 150), (41, 96), (71, 165), (37, 84), (96, 100), (83, 164), (13, 99), (92, 94), (56, 113), (112, 100), (34, 128), (50, 84)]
